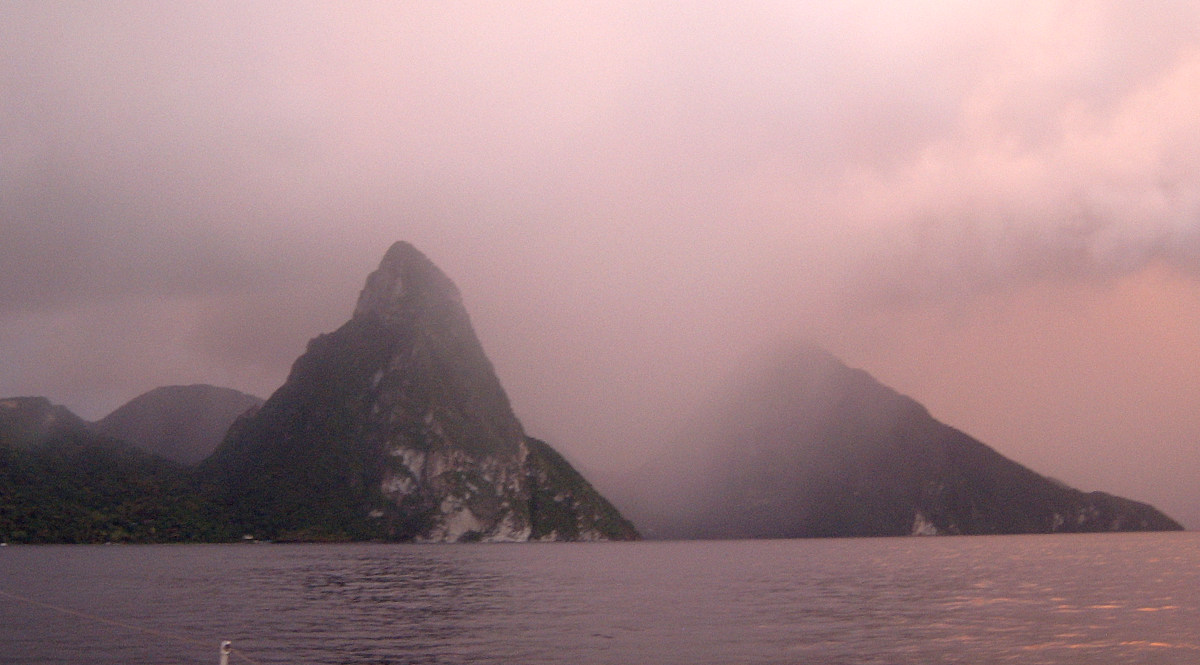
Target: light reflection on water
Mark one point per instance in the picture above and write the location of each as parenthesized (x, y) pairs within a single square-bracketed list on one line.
[(1129, 598)]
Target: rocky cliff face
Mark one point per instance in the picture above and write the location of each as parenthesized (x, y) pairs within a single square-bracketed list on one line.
[(395, 427), (564, 506), (813, 448), (181, 423)]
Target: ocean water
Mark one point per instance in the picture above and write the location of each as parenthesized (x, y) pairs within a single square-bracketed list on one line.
[(1114, 598)]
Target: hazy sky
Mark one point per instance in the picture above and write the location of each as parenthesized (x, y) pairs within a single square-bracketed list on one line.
[(991, 206)]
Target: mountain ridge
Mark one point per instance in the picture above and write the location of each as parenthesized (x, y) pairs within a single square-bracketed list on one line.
[(395, 427), (812, 448)]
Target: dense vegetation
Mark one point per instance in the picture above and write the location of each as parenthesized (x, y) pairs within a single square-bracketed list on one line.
[(82, 488)]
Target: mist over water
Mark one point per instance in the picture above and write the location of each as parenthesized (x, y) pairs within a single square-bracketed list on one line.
[(1127, 598)]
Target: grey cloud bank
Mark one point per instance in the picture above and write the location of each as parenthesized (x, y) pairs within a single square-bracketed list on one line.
[(989, 206)]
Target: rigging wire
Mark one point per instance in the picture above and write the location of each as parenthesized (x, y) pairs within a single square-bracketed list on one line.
[(121, 624)]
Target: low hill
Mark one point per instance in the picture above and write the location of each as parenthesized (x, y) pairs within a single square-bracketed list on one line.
[(63, 482), (180, 423)]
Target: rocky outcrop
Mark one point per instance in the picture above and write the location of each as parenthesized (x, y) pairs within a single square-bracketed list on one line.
[(565, 506), (180, 423), (395, 427), (811, 447)]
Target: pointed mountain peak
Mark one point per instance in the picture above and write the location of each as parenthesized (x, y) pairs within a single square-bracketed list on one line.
[(395, 427), (405, 283)]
